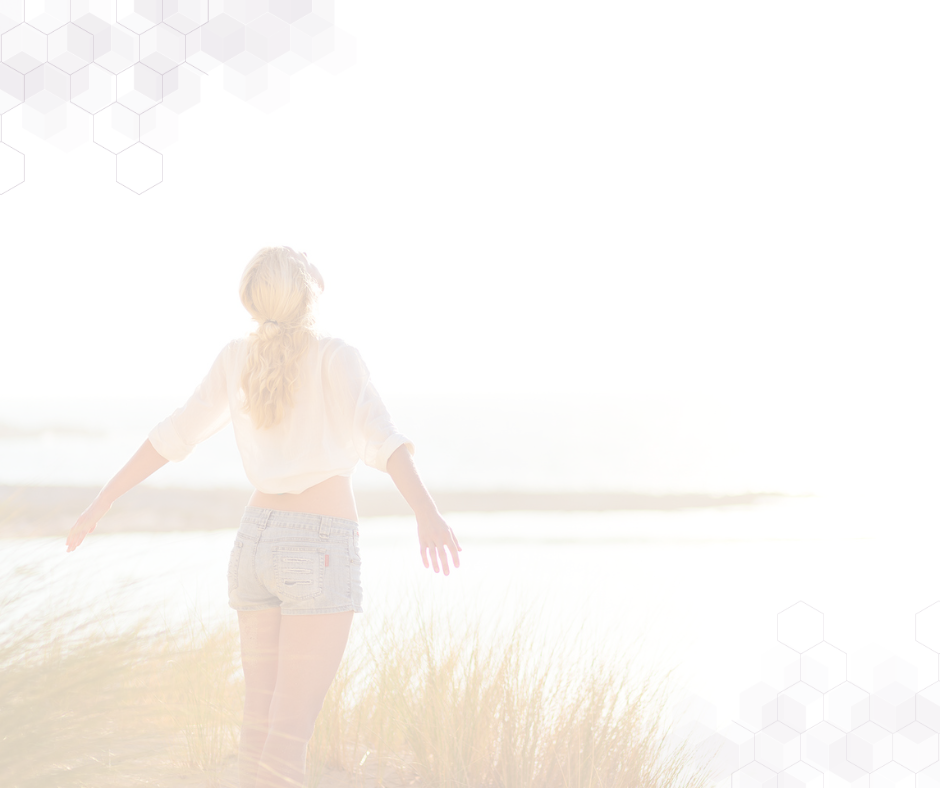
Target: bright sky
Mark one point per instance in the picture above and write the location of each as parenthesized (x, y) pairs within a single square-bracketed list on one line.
[(729, 206)]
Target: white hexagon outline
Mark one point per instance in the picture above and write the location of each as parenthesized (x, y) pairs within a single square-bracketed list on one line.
[(843, 652), (790, 607), (917, 616), (144, 144), (15, 150)]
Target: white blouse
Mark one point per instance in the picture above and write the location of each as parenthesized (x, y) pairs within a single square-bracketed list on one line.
[(338, 418)]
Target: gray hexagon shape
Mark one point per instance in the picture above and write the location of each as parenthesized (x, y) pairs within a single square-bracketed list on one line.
[(12, 88), (222, 37), (822, 745), (800, 707), (244, 10), (311, 39), (99, 29), (246, 76), (801, 774), (325, 9), (116, 128), (47, 15), (343, 55), (869, 747), (268, 37), (117, 49), (139, 88), (139, 15), (823, 666), (777, 746), (23, 48), (893, 707), (139, 168), (182, 88), (929, 777), (11, 14), (780, 666), (46, 88), (162, 48), (290, 10), (894, 670), (276, 94), (847, 706), (927, 627), (71, 48), (892, 774), (196, 55), (754, 775), (45, 125), (93, 88), (758, 707), (916, 747), (12, 168), (104, 9), (927, 706), (733, 747), (77, 131), (185, 15), (800, 627), (159, 128)]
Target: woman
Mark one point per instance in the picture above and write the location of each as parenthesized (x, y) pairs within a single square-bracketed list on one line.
[(304, 413)]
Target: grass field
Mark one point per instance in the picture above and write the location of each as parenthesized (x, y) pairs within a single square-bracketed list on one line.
[(419, 700)]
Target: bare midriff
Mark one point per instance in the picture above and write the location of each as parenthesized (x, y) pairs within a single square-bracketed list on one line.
[(331, 498)]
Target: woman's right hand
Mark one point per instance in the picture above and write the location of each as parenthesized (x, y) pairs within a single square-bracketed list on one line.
[(86, 523), (144, 462)]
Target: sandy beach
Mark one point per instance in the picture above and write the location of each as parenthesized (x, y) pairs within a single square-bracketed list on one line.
[(51, 510)]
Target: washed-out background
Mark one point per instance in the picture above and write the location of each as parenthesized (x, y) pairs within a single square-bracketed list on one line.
[(650, 251)]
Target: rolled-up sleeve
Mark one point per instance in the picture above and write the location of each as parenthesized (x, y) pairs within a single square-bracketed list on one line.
[(374, 435), (203, 415)]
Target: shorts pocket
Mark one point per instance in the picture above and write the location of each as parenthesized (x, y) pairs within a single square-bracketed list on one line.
[(354, 556), (233, 562), (298, 572)]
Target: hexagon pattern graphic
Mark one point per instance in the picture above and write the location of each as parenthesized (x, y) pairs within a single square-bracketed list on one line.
[(139, 168), (11, 14), (811, 728), (12, 168), (12, 88), (927, 627), (128, 68), (800, 627), (823, 666)]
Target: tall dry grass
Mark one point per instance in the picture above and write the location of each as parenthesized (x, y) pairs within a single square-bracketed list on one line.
[(95, 696), (419, 699), (475, 705)]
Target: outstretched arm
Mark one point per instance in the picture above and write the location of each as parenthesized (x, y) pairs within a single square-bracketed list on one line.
[(433, 533), (138, 468)]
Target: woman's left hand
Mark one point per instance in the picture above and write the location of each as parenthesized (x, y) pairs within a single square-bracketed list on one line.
[(434, 535)]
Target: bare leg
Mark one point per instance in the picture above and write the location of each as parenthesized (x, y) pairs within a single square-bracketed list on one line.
[(260, 631), (310, 650)]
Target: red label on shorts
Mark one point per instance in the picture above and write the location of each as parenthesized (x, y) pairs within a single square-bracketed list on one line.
[(327, 561)]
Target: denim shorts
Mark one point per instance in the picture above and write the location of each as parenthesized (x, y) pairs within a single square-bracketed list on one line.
[(303, 563)]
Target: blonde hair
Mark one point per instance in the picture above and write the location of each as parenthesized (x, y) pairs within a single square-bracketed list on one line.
[(280, 293)]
